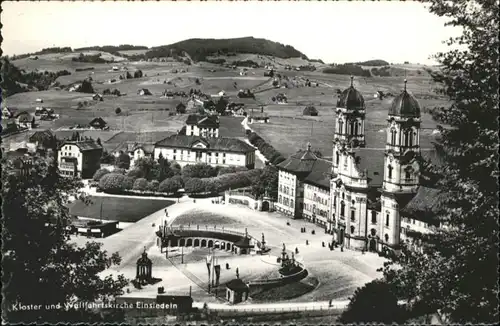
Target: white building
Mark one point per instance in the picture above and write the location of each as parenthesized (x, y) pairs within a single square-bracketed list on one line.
[(214, 151), (203, 126), (79, 158)]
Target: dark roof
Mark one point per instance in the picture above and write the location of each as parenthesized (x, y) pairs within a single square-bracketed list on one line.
[(301, 162), (427, 202), (147, 147), (320, 174), (40, 136), (86, 145), (351, 99), (202, 120), (23, 116), (405, 105), (99, 121), (144, 260), (237, 285), (221, 144)]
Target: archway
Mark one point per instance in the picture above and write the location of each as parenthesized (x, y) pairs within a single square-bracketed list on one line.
[(173, 243), (196, 242), (217, 244), (373, 245), (265, 206), (223, 246), (189, 243), (341, 238), (182, 242), (203, 243), (210, 244)]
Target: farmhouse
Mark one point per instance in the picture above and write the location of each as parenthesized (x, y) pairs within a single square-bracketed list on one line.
[(144, 92), (99, 123), (281, 98), (168, 94), (24, 120), (258, 117), (97, 97), (214, 151), (141, 150), (204, 126), (79, 158), (369, 199)]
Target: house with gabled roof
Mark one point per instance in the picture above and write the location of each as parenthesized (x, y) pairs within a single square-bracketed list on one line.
[(24, 120), (202, 125), (214, 151), (98, 123), (79, 158)]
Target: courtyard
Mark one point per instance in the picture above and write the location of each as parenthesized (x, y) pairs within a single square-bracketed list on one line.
[(332, 275)]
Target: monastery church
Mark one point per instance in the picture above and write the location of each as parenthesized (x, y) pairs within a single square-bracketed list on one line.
[(369, 199)]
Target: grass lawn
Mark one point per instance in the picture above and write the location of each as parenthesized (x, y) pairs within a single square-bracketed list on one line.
[(202, 218), (117, 208), (286, 292)]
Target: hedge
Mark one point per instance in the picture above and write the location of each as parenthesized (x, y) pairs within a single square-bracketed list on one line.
[(222, 182), (112, 182), (170, 185), (140, 184)]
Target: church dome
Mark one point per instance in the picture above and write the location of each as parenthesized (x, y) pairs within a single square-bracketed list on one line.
[(351, 99), (405, 105)]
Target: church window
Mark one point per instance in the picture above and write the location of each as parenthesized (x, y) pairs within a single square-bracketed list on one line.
[(342, 208), (352, 124), (281, 188), (341, 127), (389, 168), (291, 203), (373, 232), (356, 128), (352, 229), (374, 217), (386, 237), (334, 201), (353, 215), (337, 157), (393, 137), (343, 195), (353, 202), (387, 220), (280, 199)]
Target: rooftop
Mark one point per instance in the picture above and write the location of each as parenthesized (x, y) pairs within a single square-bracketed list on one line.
[(85, 145), (220, 144), (237, 285)]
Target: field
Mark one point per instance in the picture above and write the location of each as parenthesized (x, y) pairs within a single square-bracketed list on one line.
[(154, 117), (117, 208)]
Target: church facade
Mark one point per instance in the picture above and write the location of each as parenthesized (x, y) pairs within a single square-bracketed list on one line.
[(367, 198)]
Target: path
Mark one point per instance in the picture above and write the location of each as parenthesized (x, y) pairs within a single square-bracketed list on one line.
[(257, 152)]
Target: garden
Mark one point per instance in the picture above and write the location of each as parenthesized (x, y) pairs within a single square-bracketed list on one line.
[(162, 178)]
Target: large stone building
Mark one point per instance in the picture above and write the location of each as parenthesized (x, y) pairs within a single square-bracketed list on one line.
[(214, 151), (79, 158), (368, 198)]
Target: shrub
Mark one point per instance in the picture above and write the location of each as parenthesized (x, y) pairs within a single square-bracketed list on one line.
[(202, 170), (128, 182), (118, 110), (140, 184), (119, 171), (171, 185), (153, 185), (194, 185), (231, 169), (123, 161), (100, 173), (135, 173), (112, 182)]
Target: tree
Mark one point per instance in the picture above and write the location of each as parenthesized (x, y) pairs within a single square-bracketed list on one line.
[(99, 141), (86, 87), (140, 184), (123, 161), (128, 75), (107, 158), (221, 105), (267, 183), (373, 303), (99, 174), (112, 182), (180, 108), (201, 170), (310, 110), (194, 185), (118, 110), (171, 185), (138, 74), (50, 270), (457, 275)]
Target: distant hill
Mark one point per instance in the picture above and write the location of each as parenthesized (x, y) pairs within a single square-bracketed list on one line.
[(200, 49), (373, 63), (112, 48)]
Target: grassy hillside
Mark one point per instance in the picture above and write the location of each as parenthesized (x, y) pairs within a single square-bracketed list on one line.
[(373, 63), (199, 49)]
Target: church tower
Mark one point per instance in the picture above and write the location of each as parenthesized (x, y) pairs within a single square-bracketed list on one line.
[(401, 167), (349, 123)]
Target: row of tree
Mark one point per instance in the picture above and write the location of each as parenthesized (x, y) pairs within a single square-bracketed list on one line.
[(269, 152)]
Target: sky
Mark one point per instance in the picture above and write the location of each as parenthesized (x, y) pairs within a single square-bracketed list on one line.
[(334, 31)]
